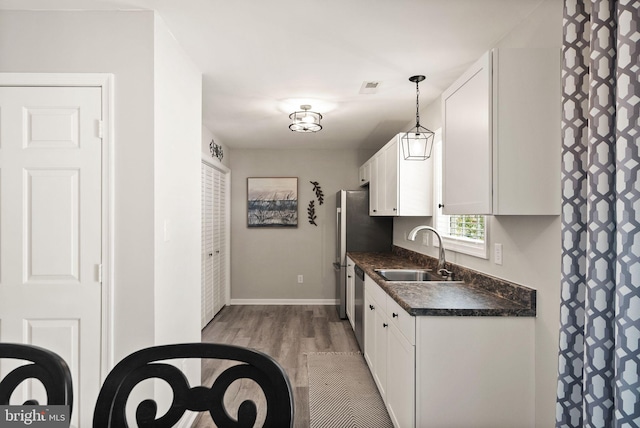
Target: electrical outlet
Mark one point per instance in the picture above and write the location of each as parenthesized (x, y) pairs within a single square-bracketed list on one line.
[(300, 279), (497, 254)]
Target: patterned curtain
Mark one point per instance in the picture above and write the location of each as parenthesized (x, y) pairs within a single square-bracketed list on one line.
[(599, 358)]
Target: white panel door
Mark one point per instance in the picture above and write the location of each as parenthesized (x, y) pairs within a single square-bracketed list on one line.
[(51, 229)]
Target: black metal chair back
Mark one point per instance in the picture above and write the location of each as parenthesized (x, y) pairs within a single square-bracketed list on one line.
[(143, 364), (45, 365)]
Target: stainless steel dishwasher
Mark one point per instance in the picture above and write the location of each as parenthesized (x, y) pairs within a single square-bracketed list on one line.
[(359, 306)]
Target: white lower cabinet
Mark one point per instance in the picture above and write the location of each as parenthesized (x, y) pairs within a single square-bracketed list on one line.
[(369, 328), (448, 372), (475, 372), (389, 354), (350, 301), (400, 393), (381, 351)]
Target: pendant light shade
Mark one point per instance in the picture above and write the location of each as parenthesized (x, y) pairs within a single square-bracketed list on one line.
[(305, 120), (417, 143)]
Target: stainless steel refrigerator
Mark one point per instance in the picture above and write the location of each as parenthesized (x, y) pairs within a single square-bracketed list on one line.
[(357, 231)]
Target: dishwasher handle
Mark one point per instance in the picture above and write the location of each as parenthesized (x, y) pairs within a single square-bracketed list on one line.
[(359, 272)]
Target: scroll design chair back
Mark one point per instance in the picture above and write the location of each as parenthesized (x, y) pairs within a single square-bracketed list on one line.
[(45, 365), (144, 364)]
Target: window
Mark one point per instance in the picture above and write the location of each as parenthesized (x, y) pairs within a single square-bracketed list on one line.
[(460, 233)]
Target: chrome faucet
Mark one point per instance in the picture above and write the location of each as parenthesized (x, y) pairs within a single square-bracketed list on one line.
[(441, 261)]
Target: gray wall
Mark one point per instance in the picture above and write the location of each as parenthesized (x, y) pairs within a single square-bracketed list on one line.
[(265, 262), (531, 244)]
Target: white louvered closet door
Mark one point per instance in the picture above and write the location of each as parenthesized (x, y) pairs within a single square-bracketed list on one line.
[(219, 240), (207, 245), (214, 242)]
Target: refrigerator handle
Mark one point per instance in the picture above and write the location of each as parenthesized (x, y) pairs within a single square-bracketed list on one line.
[(338, 243)]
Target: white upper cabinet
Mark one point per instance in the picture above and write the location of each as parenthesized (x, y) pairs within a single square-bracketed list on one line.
[(501, 135), (399, 187), (466, 142), (364, 173)]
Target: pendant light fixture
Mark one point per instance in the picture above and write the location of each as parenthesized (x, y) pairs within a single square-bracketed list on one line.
[(305, 120), (417, 143)]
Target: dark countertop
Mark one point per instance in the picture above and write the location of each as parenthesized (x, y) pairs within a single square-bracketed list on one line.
[(439, 298)]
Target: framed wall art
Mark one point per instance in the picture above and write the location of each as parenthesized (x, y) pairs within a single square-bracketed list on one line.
[(272, 202)]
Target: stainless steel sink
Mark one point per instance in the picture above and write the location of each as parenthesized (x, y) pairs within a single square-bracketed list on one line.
[(407, 275)]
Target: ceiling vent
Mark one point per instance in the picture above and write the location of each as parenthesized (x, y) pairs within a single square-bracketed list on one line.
[(369, 87)]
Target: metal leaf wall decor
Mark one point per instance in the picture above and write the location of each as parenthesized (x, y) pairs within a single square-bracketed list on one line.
[(311, 212), (318, 190), (216, 150)]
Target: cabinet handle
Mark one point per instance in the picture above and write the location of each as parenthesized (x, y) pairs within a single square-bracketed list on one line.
[(395, 209), (440, 205), (395, 315), (348, 276), (385, 325), (362, 179), (375, 211), (371, 307), (210, 254)]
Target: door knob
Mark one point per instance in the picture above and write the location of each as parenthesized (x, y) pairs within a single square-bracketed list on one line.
[(371, 307), (385, 325), (395, 315)]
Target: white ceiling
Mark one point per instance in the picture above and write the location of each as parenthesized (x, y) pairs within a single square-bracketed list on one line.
[(262, 59)]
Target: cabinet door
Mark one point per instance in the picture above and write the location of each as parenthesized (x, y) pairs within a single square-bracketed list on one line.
[(364, 173), (467, 142), (521, 145), (400, 388), (350, 303), (390, 156), (369, 331), (375, 185), (415, 186), (380, 350)]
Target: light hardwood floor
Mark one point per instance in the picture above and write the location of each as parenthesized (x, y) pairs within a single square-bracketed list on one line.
[(287, 333)]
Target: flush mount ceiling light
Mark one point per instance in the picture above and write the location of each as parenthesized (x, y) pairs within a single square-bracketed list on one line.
[(305, 120), (417, 143)]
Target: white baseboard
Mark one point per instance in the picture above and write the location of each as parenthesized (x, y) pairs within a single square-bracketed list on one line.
[(322, 302)]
